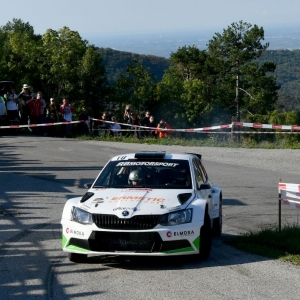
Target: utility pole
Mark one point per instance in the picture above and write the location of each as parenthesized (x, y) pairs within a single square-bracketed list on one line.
[(238, 112)]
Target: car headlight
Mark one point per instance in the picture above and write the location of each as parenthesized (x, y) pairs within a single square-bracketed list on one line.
[(177, 217), (81, 216)]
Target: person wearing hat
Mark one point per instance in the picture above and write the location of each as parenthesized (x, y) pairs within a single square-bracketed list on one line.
[(23, 98), (53, 109)]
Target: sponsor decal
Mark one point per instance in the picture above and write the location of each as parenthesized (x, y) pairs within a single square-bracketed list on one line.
[(121, 158), (184, 233), (169, 234), (146, 163), (126, 208), (75, 232), (138, 198), (136, 190), (98, 200)]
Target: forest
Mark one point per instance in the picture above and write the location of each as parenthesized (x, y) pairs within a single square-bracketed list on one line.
[(236, 78)]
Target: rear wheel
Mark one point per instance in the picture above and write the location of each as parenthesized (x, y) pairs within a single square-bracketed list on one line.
[(217, 222), (205, 238), (77, 258)]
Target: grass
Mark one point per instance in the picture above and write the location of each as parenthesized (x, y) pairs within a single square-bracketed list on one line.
[(269, 242), (207, 140)]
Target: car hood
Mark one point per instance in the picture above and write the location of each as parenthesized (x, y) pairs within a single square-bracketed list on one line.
[(135, 201)]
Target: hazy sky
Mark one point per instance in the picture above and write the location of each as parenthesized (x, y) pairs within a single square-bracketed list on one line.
[(114, 17)]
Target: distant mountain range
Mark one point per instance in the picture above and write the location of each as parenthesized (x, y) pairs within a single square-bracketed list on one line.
[(162, 44)]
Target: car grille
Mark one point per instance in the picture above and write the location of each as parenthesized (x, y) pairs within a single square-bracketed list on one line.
[(143, 242), (134, 223)]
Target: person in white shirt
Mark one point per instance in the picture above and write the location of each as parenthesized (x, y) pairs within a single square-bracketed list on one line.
[(115, 128), (12, 105)]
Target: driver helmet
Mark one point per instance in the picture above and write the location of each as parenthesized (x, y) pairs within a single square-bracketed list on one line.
[(136, 175)]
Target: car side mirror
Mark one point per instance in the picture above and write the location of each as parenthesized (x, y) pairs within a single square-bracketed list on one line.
[(205, 186), (88, 185)]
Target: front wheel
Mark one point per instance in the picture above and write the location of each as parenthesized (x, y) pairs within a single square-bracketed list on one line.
[(205, 238), (77, 258), (218, 222)]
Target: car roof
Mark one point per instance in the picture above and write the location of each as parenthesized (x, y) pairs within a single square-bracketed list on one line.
[(155, 155)]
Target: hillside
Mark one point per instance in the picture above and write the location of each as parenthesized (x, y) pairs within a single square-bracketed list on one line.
[(287, 71), (116, 63), (288, 75)]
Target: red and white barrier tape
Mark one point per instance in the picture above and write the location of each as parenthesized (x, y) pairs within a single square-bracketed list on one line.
[(290, 203), (40, 125), (264, 132), (171, 129), (267, 126), (289, 194), (202, 129), (292, 187)]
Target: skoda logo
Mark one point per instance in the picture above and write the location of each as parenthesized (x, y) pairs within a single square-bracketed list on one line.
[(125, 213)]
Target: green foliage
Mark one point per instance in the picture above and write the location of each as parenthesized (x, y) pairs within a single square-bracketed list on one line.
[(58, 63), (136, 87), (241, 79)]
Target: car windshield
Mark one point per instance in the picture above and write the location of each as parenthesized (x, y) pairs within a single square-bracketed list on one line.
[(161, 174)]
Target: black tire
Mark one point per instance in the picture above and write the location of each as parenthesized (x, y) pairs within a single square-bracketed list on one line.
[(217, 223), (205, 238), (77, 258)]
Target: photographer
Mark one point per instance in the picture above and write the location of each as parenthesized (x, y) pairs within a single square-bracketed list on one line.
[(163, 133), (127, 117), (24, 109)]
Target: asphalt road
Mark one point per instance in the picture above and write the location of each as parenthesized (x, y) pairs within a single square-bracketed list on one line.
[(37, 176)]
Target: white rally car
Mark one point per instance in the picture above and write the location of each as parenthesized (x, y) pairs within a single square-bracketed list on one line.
[(145, 203)]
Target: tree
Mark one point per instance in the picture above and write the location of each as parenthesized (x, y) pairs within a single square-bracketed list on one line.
[(135, 87), (18, 56), (239, 77)]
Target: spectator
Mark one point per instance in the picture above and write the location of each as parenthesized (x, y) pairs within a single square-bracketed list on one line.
[(152, 124), (42, 116), (115, 128), (127, 114), (24, 109), (145, 122), (35, 105), (3, 113), (105, 126), (53, 109), (136, 121), (67, 111), (128, 118), (163, 133), (84, 125), (43, 109), (12, 106)]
